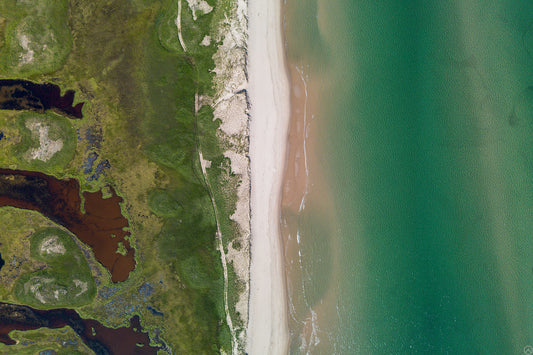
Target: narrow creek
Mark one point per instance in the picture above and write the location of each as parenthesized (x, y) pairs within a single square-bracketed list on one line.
[(102, 340)]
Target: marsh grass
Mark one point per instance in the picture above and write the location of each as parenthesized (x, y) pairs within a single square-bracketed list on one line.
[(139, 90), (17, 227), (63, 341), (58, 129), (65, 281), (19, 140), (37, 37)]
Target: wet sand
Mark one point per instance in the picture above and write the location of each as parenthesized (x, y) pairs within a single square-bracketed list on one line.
[(306, 196)]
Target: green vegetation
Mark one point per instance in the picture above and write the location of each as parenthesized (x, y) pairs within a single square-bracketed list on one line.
[(37, 37), (193, 31), (17, 228), (40, 142), (63, 341), (48, 142), (163, 204), (219, 175), (235, 287), (125, 61), (66, 280)]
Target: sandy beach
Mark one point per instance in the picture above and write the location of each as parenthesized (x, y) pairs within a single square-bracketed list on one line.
[(269, 110)]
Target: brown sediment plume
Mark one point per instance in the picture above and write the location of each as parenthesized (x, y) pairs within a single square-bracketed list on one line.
[(304, 187), (25, 95), (296, 186), (296, 180), (100, 339), (101, 226)]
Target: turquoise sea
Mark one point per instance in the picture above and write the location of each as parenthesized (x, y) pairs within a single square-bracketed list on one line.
[(425, 141)]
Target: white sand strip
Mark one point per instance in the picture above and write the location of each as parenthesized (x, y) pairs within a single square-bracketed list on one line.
[(178, 25), (270, 107)]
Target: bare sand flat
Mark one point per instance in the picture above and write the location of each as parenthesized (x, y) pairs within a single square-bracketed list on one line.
[(270, 108)]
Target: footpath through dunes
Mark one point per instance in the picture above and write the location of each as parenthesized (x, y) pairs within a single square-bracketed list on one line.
[(101, 226), (100, 339), (18, 94)]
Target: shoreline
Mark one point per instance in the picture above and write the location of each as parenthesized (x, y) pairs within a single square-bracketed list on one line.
[(309, 220), (269, 98), (306, 194)]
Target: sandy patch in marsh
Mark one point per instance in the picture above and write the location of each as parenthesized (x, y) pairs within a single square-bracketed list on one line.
[(52, 245), (47, 147), (199, 6)]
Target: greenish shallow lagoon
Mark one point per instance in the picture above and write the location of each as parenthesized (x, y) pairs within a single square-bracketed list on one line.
[(428, 148)]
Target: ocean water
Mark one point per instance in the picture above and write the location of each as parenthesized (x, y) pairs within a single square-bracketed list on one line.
[(423, 143)]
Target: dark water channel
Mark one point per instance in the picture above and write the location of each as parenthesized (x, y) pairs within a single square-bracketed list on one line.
[(100, 339), (18, 94), (101, 226)]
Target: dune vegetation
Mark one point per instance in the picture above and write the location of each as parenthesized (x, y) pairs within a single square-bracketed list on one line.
[(140, 133)]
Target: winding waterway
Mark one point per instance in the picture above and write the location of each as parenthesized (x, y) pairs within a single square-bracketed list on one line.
[(100, 224), (102, 340)]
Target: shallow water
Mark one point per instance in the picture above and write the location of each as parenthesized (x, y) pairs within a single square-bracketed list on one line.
[(424, 141)]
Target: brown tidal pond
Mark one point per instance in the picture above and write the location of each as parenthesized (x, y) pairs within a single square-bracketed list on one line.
[(101, 226), (18, 94), (100, 339)]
